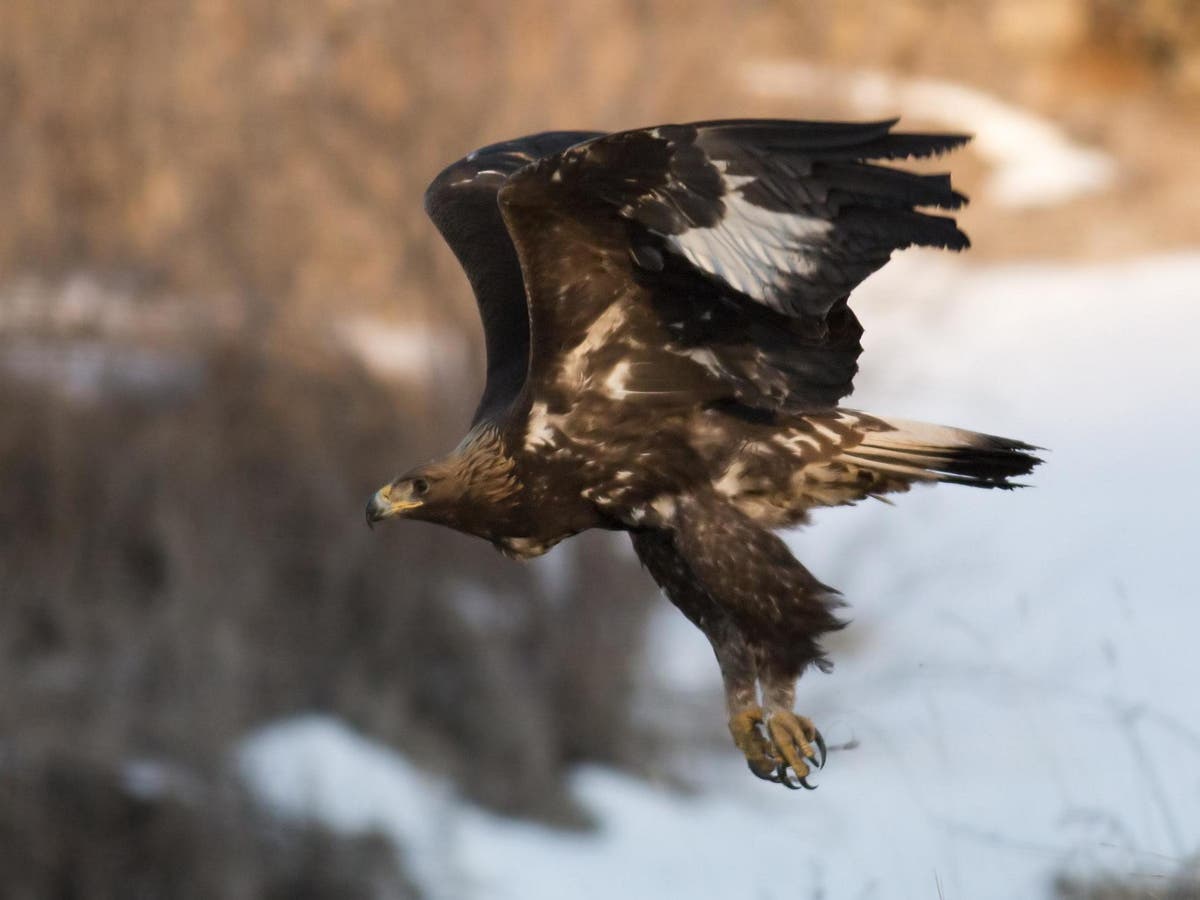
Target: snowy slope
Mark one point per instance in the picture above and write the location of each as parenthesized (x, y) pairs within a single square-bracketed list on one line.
[(1020, 677)]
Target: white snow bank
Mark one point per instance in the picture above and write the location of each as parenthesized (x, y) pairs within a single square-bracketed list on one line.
[(1034, 163), (315, 768)]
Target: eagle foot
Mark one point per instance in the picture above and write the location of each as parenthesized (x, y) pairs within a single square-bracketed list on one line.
[(796, 742), (748, 735)]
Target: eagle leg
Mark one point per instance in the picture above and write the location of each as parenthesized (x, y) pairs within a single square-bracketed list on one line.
[(747, 723), (735, 656)]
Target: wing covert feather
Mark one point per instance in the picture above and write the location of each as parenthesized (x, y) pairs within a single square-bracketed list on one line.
[(725, 247), (462, 203)]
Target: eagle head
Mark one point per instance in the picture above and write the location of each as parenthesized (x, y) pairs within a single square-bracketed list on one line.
[(415, 495), (464, 490)]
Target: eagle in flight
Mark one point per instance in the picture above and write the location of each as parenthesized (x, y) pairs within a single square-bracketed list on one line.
[(668, 338)]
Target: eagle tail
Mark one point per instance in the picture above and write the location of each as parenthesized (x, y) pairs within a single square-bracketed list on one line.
[(917, 451)]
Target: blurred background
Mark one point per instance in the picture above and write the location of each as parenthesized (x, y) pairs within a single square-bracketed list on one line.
[(225, 320)]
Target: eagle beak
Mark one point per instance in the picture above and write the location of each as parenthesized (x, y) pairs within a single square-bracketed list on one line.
[(383, 505)]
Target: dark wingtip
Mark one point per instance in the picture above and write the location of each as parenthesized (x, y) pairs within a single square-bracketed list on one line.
[(919, 146)]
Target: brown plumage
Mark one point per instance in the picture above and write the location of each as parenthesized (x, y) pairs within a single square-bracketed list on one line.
[(668, 337)]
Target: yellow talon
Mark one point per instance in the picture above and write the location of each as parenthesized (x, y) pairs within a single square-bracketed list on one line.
[(793, 737), (746, 728)]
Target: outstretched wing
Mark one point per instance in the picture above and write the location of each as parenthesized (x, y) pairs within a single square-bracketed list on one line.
[(461, 201), (714, 260)]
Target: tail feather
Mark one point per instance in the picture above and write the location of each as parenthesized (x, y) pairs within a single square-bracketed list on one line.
[(925, 452)]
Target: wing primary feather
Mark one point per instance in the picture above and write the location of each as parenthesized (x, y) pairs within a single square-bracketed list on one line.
[(882, 186)]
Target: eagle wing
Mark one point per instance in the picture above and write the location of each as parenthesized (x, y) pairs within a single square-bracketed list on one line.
[(687, 263), (461, 201)]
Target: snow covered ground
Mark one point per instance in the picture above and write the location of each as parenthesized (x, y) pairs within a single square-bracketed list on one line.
[(1020, 679)]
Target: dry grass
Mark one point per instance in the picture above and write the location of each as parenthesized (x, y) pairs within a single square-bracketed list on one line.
[(176, 575), (1183, 885), (179, 570), (276, 153), (266, 160), (70, 828)]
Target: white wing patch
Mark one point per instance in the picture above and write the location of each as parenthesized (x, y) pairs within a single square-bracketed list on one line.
[(664, 505), (574, 364), (708, 360), (541, 427), (730, 482), (827, 433), (618, 378), (753, 249), (797, 443)]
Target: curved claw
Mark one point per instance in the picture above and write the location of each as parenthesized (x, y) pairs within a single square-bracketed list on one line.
[(788, 751), (783, 778), (765, 774)]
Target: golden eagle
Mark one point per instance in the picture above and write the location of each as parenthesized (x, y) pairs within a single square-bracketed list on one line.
[(668, 337)]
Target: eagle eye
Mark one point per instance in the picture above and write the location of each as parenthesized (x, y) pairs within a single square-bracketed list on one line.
[(420, 487)]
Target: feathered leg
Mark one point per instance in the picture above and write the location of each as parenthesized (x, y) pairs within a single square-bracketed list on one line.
[(746, 719), (763, 613), (773, 601), (736, 658)]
